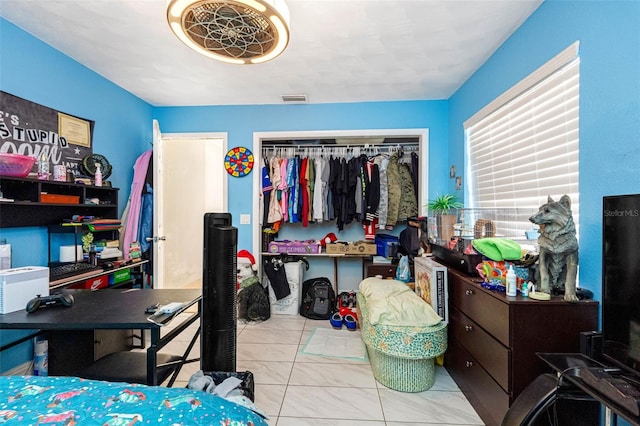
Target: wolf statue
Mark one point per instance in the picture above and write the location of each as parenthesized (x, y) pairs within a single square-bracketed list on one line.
[(558, 246)]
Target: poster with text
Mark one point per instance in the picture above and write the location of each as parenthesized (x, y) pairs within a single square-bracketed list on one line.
[(35, 130)]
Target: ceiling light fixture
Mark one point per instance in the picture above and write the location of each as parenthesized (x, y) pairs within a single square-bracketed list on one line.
[(232, 31)]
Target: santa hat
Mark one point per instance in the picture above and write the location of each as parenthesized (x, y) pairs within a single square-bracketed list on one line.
[(244, 256), (328, 239)]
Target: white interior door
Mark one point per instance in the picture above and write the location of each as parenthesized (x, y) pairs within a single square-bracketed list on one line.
[(191, 180)]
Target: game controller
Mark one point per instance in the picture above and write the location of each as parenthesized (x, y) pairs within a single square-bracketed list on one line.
[(38, 302)]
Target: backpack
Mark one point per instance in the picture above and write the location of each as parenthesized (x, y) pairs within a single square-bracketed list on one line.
[(318, 299)]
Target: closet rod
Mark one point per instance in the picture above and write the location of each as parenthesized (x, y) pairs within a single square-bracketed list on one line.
[(403, 145)]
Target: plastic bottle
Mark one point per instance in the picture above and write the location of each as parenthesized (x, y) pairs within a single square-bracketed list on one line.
[(5, 254), (511, 282), (98, 176), (43, 167), (524, 292)]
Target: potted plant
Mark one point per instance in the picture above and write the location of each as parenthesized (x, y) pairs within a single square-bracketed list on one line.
[(441, 208), (443, 203)]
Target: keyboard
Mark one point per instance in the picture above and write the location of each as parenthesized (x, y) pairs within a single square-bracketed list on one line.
[(60, 272), (612, 384)]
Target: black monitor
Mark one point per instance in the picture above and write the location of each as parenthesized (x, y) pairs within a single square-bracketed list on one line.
[(621, 281)]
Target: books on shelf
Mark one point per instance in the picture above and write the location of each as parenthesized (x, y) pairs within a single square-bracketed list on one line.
[(431, 285)]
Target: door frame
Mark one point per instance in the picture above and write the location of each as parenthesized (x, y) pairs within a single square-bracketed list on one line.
[(188, 136), (423, 178)]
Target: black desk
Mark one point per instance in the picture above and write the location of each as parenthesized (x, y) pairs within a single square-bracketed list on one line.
[(111, 309), (569, 365)]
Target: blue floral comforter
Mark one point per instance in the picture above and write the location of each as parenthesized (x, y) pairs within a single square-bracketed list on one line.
[(30, 400)]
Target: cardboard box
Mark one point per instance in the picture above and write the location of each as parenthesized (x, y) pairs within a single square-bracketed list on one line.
[(93, 283), (19, 285), (119, 276), (352, 248), (59, 199)]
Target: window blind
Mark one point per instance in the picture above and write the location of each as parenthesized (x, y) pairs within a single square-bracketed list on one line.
[(524, 146)]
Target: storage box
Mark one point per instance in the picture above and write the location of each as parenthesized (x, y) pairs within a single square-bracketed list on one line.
[(92, 283), (59, 199), (431, 285), (295, 247), (19, 285), (119, 276), (386, 245), (352, 248)]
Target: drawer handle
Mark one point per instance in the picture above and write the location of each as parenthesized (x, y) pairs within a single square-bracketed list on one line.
[(468, 328), (468, 292), (468, 364)]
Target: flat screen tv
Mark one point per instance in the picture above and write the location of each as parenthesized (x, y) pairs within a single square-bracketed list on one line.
[(621, 281)]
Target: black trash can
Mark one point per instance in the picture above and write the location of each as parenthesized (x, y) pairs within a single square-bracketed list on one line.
[(247, 386)]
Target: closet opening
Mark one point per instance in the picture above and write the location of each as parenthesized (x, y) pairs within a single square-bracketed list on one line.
[(347, 142)]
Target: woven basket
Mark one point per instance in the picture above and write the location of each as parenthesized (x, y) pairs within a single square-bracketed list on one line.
[(402, 357)]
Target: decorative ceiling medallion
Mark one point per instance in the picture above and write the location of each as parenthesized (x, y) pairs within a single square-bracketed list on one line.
[(232, 31)]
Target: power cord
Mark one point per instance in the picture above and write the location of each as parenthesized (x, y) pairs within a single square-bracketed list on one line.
[(553, 416)]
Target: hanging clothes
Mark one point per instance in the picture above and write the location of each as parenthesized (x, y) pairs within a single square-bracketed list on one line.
[(140, 170), (318, 192), (415, 167), (347, 186), (304, 192), (394, 191), (382, 161), (408, 206), (275, 210), (267, 190)]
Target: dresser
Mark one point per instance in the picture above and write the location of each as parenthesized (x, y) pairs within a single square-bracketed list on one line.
[(493, 340)]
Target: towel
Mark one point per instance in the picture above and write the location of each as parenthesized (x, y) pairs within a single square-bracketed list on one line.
[(498, 249)]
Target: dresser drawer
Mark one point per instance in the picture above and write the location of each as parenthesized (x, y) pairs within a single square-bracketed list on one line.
[(386, 271), (485, 310), (489, 400), (493, 356)]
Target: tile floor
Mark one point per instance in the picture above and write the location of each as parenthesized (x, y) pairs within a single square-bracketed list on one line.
[(294, 388)]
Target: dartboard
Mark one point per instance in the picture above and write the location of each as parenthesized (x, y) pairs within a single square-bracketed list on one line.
[(238, 161)]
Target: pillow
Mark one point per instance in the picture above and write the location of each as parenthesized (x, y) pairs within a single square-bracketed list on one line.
[(391, 302)]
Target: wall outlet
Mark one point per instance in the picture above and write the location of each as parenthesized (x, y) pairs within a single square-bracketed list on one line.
[(245, 219)]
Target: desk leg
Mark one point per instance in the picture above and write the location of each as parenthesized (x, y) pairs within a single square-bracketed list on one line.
[(335, 273), (152, 357)]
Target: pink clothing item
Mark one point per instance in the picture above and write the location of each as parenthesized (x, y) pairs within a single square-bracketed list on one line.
[(135, 201), (284, 190)]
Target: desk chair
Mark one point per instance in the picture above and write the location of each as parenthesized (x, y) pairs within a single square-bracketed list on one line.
[(532, 406), (131, 367)]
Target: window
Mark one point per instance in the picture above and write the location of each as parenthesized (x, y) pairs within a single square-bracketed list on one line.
[(523, 146)]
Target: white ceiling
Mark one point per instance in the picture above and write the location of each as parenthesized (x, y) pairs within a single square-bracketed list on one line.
[(340, 50)]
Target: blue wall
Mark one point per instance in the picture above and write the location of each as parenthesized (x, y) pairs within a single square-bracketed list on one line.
[(609, 37), (35, 71), (241, 121)]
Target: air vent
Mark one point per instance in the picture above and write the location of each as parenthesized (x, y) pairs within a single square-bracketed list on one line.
[(294, 99)]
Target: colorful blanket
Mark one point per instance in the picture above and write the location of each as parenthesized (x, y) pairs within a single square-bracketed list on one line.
[(71, 400)]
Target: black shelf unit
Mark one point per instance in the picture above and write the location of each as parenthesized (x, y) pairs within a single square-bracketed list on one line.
[(78, 231), (27, 208)]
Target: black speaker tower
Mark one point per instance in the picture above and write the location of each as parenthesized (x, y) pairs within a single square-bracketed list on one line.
[(219, 308)]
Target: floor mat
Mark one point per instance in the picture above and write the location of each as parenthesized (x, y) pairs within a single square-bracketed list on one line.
[(336, 343)]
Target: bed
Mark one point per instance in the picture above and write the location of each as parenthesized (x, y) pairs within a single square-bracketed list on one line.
[(72, 400)]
